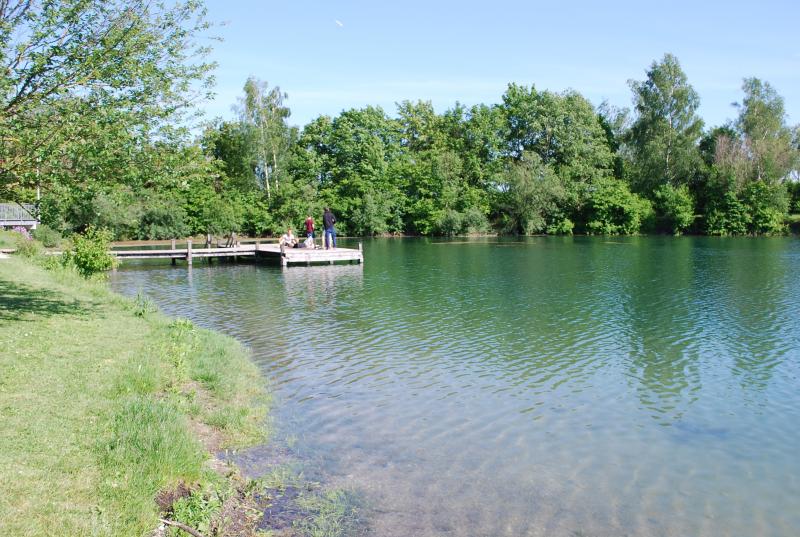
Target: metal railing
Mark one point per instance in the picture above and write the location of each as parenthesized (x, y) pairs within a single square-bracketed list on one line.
[(12, 213)]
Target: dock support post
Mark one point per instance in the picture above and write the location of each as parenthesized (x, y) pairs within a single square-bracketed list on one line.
[(283, 255), (189, 251), (360, 252), (172, 247)]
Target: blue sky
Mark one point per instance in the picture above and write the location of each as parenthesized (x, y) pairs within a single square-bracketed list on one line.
[(334, 55)]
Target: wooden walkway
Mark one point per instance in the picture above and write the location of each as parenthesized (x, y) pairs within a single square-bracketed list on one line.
[(274, 252)]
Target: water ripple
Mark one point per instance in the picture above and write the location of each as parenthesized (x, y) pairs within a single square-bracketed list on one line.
[(550, 386)]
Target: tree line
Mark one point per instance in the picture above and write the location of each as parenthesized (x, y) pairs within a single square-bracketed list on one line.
[(94, 93)]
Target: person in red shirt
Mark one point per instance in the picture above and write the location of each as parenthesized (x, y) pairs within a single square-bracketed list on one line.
[(310, 227)]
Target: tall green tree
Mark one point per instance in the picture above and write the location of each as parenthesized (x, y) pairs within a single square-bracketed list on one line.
[(561, 128), (441, 175), (768, 141), (664, 136), (230, 144), (67, 68), (753, 159), (263, 111), (532, 197)]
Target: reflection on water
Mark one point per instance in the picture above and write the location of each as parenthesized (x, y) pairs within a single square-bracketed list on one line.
[(549, 386)]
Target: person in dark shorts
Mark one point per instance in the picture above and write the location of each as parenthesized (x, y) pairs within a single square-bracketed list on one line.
[(328, 220)]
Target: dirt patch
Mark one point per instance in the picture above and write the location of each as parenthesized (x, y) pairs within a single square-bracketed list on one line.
[(209, 437), (166, 498), (239, 515)]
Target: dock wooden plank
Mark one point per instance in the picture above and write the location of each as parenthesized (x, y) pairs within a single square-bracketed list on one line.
[(309, 256), (269, 251)]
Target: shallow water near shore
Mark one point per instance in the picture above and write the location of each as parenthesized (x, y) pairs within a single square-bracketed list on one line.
[(590, 386)]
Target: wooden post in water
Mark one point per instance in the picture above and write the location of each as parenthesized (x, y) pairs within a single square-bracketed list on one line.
[(189, 251), (361, 252), (172, 247), (283, 255)]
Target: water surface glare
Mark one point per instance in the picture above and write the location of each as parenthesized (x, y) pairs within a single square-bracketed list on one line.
[(547, 386)]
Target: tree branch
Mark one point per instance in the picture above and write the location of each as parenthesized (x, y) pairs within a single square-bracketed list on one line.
[(184, 527)]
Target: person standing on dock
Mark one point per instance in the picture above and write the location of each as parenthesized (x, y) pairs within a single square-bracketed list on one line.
[(310, 228), (328, 220)]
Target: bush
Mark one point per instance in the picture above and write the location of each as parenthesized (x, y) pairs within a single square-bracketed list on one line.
[(118, 210), (534, 198), (474, 221), (674, 208), (90, 254), (767, 206), (25, 245), (726, 216), (48, 236), (163, 219), (760, 209), (793, 189), (450, 222), (257, 220), (560, 227), (198, 509), (613, 209)]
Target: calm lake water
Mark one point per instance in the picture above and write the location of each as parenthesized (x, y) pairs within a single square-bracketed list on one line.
[(642, 386)]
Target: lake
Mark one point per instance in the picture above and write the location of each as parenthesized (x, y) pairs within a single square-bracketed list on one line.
[(578, 386)]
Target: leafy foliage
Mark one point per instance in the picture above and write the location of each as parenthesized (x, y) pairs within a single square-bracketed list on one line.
[(48, 236), (197, 510), (674, 208), (90, 252), (766, 207), (532, 197), (663, 138), (562, 129), (613, 209), (101, 128), (25, 245), (74, 106)]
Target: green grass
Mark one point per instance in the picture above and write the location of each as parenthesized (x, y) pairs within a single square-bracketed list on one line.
[(98, 397), (333, 513), (8, 239)]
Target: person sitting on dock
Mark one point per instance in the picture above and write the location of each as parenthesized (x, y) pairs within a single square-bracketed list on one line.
[(288, 239)]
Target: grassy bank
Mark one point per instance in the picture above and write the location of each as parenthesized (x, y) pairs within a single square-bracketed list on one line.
[(104, 402), (7, 239)]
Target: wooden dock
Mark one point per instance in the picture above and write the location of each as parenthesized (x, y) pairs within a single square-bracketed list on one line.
[(308, 256), (272, 251)]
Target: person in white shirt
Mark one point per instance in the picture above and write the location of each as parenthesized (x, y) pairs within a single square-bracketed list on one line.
[(288, 239)]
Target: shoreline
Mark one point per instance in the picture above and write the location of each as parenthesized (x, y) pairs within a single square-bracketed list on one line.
[(120, 420), (792, 231), (110, 409)]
